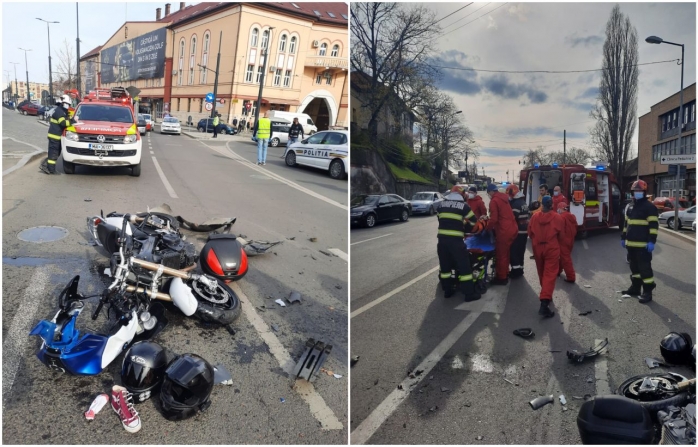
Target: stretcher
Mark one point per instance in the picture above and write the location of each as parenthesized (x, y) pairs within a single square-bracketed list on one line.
[(481, 252)]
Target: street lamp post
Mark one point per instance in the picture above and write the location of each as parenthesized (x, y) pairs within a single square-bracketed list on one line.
[(16, 93), (50, 77), (261, 79), (658, 40), (26, 66)]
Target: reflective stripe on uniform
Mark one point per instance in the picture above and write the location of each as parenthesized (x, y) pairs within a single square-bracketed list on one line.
[(636, 276), (469, 215), (516, 209), (445, 275), (635, 244), (654, 231), (648, 280), (451, 233), (592, 203), (450, 216), (523, 232), (54, 137), (465, 278), (652, 219), (637, 222), (51, 162)]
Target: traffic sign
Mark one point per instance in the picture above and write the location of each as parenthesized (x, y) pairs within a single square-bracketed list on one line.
[(677, 159), (209, 97), (209, 106)]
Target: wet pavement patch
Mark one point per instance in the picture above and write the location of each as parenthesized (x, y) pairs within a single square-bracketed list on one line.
[(42, 234), (26, 262)]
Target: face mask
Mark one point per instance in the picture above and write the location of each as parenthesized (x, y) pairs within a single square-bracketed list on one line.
[(557, 193), (639, 195), (471, 196)]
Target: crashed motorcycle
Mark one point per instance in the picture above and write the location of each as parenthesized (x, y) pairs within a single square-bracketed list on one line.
[(204, 296), (66, 350)]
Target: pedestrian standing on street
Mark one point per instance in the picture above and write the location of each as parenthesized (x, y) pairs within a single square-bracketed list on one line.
[(518, 248), (235, 124), (455, 217), (294, 132), (241, 125), (545, 230), (567, 243), (558, 197), (503, 224), (639, 236), (58, 122), (476, 203), (216, 122), (262, 131), (248, 126)]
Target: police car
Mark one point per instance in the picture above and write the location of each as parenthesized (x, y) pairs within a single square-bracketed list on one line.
[(327, 150)]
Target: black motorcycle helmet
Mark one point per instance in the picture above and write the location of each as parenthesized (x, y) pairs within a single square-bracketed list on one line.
[(676, 348), (186, 388), (143, 369)]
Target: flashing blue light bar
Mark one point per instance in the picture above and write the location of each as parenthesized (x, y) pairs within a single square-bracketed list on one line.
[(600, 168), (536, 165), (505, 183), (554, 165)]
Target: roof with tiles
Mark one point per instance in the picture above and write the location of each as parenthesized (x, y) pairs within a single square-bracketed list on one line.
[(94, 52)]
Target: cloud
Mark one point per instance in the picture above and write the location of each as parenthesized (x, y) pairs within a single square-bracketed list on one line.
[(542, 131), (586, 41), (591, 92), (499, 85), (519, 10), (458, 81), (491, 23), (659, 82), (502, 152)]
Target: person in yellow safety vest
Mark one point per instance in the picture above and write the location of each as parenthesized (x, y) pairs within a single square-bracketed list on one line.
[(58, 122), (262, 131), (216, 122)]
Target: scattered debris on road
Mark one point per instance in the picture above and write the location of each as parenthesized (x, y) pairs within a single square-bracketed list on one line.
[(280, 303), (282, 399), (577, 357), (585, 313), (254, 248), (337, 376), (399, 387), (444, 389), (354, 360), (312, 359), (587, 286), (294, 298), (654, 363), (541, 401), (509, 381), (563, 401), (313, 239), (480, 438), (88, 200), (526, 332), (275, 327)]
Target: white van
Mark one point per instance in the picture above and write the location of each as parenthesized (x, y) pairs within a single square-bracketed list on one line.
[(304, 119)]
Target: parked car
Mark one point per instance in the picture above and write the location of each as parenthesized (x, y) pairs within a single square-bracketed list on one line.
[(279, 132), (328, 150), (171, 125), (426, 202), (309, 127), (29, 109), (206, 125), (367, 210), (667, 203), (142, 125), (42, 110), (686, 217), (148, 121), (693, 226)]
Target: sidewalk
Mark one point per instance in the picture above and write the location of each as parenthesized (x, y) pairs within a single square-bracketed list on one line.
[(16, 154)]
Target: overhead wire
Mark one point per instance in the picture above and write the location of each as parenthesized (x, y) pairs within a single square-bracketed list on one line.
[(489, 12), (464, 17), (551, 71), (447, 16)]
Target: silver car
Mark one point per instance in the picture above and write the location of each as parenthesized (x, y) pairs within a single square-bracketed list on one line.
[(171, 125), (426, 202), (686, 218)]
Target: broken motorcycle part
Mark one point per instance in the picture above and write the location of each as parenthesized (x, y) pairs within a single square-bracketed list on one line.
[(614, 420), (312, 359), (541, 401), (294, 298), (524, 332), (654, 363), (578, 357), (658, 391)]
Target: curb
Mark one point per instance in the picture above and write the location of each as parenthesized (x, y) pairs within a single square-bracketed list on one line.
[(677, 234), (26, 159)]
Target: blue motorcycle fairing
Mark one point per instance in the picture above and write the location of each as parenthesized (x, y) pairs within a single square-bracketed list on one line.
[(47, 330)]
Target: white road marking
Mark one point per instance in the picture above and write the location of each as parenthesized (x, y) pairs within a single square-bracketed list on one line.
[(585, 245), (17, 336), (168, 187), (372, 239), (305, 389), (231, 154), (340, 254), (601, 374), (495, 300), (377, 301), (152, 153), (362, 434), (24, 159)]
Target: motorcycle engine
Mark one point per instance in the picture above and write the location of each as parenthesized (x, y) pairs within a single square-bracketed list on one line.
[(678, 425), (176, 253)]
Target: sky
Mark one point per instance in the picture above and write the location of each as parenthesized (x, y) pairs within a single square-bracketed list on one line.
[(98, 22), (510, 113)]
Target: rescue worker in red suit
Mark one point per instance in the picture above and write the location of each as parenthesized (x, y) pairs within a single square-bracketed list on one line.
[(568, 235), (455, 217), (521, 214), (505, 228), (546, 232), (558, 197), (476, 203)]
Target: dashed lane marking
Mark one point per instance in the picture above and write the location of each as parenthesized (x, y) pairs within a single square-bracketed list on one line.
[(372, 239), (585, 245), (168, 187), (340, 254)]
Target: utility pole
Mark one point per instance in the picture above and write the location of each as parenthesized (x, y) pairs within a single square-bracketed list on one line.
[(16, 93), (261, 79), (26, 66), (564, 147), (77, 46), (50, 76), (215, 81)]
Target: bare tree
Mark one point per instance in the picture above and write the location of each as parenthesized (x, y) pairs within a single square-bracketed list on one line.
[(615, 111), (66, 68), (573, 156), (391, 44)]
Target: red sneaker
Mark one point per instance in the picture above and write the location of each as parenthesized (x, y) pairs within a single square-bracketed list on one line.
[(122, 404)]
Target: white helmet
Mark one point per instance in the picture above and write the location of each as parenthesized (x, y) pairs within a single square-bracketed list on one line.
[(65, 99)]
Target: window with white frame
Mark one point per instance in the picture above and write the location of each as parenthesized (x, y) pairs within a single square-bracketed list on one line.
[(292, 45), (204, 58), (181, 62), (249, 73), (335, 51), (255, 37), (287, 78), (282, 43), (277, 77), (328, 78), (265, 38), (323, 49), (318, 78), (260, 70), (192, 60)]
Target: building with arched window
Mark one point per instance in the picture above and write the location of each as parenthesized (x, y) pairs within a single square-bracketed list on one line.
[(300, 51)]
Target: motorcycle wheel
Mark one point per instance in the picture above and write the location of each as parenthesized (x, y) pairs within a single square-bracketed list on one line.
[(221, 307), (629, 387)]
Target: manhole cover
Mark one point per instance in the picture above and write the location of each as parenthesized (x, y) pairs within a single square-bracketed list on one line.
[(42, 234)]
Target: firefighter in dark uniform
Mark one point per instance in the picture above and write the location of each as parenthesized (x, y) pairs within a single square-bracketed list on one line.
[(639, 237), (518, 248), (58, 122), (455, 216)]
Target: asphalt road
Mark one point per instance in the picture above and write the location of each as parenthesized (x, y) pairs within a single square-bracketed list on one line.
[(476, 377), (207, 179)]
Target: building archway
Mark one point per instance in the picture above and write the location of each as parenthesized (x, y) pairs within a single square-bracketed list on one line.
[(322, 108)]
